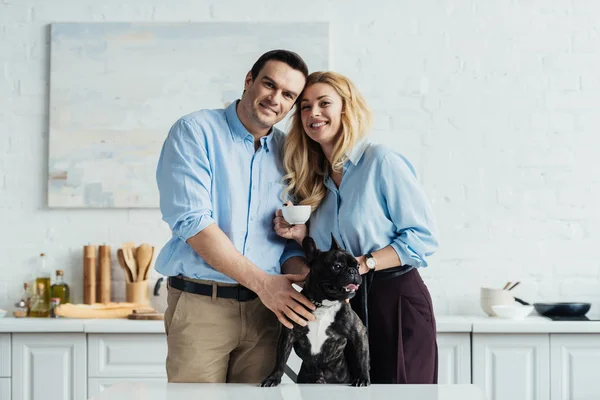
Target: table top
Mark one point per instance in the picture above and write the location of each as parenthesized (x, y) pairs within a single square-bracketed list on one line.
[(222, 391)]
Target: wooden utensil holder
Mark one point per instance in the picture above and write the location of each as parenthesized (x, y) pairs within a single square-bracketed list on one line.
[(137, 292)]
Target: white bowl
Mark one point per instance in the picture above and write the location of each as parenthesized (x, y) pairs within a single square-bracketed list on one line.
[(491, 297), (295, 215), (514, 311), (2, 313)]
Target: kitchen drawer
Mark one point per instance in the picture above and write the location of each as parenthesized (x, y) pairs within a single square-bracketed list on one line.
[(5, 356), (96, 385), (5, 393), (127, 355)]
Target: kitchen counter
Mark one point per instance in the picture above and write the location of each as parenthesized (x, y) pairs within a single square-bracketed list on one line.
[(532, 324), (445, 324), (182, 391), (8, 324), (38, 325)]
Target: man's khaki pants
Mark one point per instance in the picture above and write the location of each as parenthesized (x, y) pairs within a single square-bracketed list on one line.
[(212, 339)]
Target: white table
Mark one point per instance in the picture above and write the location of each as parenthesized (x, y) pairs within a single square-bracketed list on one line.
[(191, 391)]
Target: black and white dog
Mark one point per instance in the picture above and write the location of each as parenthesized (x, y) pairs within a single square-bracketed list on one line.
[(334, 348)]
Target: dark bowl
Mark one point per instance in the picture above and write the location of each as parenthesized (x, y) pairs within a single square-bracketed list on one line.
[(562, 309)]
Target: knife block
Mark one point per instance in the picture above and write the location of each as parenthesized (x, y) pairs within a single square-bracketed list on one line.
[(137, 292)]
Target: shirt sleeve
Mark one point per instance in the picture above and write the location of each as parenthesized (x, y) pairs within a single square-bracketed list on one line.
[(409, 210), (184, 177), (291, 249)]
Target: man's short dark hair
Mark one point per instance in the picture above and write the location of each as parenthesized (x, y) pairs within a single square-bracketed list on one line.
[(289, 57)]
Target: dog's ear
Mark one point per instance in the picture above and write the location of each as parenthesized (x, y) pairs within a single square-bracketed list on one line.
[(310, 249), (334, 243)]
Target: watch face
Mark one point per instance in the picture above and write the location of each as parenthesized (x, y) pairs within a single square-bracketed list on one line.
[(370, 263)]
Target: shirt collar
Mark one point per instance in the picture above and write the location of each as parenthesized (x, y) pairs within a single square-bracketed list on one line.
[(354, 157), (358, 150), (239, 131)]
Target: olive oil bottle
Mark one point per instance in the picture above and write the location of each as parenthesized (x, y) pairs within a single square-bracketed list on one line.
[(60, 289), (39, 308), (42, 276)]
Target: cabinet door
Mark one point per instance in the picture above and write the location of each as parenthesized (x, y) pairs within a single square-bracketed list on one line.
[(5, 389), (127, 355), (575, 366), (96, 385), (4, 356), (454, 351), (48, 366), (512, 366)]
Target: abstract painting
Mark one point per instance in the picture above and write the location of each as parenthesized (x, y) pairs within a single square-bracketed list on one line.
[(116, 89)]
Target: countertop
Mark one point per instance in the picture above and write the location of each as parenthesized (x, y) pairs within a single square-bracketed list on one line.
[(183, 391), (532, 324), (39, 325), (445, 324)]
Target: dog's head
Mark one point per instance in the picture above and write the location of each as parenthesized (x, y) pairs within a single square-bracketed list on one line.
[(333, 273)]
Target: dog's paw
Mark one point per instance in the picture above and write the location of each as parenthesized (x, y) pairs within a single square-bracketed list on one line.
[(360, 382), (270, 381)]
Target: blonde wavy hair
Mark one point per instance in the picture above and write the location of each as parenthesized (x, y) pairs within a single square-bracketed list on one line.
[(305, 163)]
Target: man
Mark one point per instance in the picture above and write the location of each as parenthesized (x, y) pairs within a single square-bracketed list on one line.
[(220, 183)]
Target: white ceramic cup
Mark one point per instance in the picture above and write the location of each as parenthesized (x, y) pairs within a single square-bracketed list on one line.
[(295, 215)]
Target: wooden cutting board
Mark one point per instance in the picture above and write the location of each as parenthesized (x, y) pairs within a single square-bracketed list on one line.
[(97, 310), (146, 316)]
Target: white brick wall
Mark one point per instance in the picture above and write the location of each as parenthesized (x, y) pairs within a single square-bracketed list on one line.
[(496, 104)]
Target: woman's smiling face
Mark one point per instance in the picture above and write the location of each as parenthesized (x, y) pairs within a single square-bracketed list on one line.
[(321, 113)]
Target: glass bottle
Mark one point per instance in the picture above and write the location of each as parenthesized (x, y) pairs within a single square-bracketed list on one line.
[(42, 276), (54, 303), (60, 289), (39, 308), (22, 306), (26, 296)]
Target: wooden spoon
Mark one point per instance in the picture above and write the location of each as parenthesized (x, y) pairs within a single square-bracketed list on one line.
[(130, 262), (130, 245), (143, 257), (123, 264), (150, 263)]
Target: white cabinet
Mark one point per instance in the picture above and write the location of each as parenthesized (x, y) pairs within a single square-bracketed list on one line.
[(454, 360), (4, 356), (49, 366), (512, 366), (131, 357), (575, 372), (127, 355), (5, 389)]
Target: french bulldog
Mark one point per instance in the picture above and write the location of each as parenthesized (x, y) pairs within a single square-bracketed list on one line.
[(334, 348)]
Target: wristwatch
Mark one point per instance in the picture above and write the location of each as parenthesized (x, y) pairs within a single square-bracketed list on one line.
[(370, 261)]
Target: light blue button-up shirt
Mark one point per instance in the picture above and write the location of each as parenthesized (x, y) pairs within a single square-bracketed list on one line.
[(209, 172), (378, 203)]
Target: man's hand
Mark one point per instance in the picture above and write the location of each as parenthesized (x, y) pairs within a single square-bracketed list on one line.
[(287, 231), (278, 295)]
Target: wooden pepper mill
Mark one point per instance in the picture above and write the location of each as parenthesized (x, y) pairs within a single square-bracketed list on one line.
[(89, 274), (104, 274)]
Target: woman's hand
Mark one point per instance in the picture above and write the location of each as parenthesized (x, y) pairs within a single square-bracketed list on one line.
[(362, 265), (287, 231)]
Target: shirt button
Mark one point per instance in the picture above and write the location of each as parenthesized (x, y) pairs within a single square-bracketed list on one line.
[(251, 219), (254, 187)]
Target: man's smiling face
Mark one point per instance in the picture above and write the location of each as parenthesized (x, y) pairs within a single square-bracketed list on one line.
[(272, 94)]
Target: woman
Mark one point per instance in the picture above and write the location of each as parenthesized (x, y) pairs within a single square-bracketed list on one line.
[(368, 197)]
